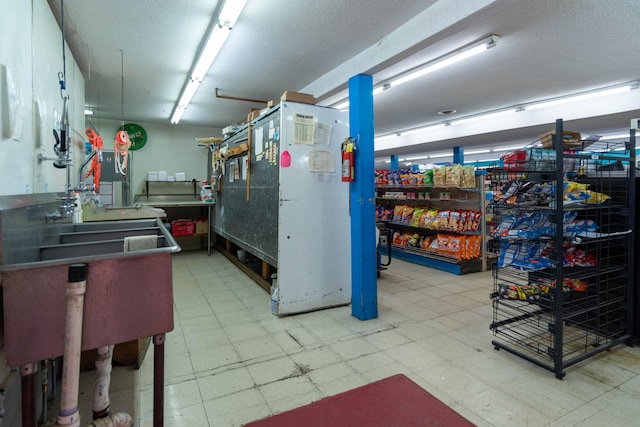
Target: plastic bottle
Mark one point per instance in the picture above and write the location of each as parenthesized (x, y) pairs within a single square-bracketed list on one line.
[(274, 296), (77, 210)]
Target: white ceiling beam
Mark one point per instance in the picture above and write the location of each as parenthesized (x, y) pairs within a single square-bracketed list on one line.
[(441, 15)]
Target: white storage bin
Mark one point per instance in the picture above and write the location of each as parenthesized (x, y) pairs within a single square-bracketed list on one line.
[(162, 175), (152, 176), (181, 176)]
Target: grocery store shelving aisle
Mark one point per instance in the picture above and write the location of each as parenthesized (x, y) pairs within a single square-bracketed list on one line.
[(230, 361)]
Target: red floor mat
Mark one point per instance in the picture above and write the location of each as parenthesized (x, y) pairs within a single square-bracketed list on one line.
[(392, 402)]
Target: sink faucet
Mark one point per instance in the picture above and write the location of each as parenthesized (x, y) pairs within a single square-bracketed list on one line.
[(62, 148)]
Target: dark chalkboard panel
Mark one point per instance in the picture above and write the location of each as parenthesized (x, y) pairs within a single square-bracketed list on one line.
[(252, 224)]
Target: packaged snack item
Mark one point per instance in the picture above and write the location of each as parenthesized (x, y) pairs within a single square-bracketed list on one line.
[(453, 176), (428, 177), (468, 177), (439, 176), (454, 221), (397, 238), (397, 213), (415, 219), (407, 213), (441, 221), (426, 242), (426, 220), (434, 245), (404, 239), (413, 241)]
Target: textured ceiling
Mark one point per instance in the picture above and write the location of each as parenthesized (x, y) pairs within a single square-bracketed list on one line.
[(547, 48)]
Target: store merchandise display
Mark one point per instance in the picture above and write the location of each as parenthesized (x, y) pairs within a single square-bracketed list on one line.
[(557, 216), (435, 216)]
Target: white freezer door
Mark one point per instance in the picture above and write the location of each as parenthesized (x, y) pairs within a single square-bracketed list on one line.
[(314, 235)]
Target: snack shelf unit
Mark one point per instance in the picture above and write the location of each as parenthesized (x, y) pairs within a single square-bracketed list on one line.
[(467, 199), (587, 247)]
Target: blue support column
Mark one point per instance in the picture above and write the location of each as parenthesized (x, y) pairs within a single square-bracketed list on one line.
[(395, 164), (458, 155), (364, 286)]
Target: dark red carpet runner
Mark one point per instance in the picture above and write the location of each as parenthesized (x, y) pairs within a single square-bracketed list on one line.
[(392, 402)]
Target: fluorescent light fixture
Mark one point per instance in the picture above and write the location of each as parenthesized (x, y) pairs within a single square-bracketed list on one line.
[(508, 148), (446, 60), (615, 136), (477, 152), (418, 157), (422, 129), (484, 116), (437, 156), (385, 137), (185, 99), (215, 40), (443, 61), (611, 90), (88, 112)]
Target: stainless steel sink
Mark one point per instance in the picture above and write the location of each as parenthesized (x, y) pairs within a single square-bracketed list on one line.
[(129, 294), (102, 238)]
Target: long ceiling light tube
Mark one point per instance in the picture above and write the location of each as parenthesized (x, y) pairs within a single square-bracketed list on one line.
[(227, 18), (450, 58), (580, 96), (446, 60)]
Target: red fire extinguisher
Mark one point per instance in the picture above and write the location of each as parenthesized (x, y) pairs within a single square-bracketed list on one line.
[(348, 160)]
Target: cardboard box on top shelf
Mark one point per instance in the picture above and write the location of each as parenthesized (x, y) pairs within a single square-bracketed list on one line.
[(304, 98), (570, 140), (253, 114), (273, 103)]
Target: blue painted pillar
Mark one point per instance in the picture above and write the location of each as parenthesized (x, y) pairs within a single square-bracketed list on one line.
[(395, 163), (458, 155), (364, 286)]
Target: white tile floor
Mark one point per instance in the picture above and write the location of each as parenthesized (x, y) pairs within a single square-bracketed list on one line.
[(229, 361)]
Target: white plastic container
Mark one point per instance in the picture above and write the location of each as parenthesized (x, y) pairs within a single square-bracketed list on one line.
[(152, 176), (162, 175), (180, 176)]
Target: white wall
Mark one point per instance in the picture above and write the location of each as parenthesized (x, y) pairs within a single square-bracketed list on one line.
[(31, 51), (169, 148)]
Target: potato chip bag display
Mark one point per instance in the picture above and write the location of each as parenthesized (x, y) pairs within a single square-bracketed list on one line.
[(426, 242), (439, 176), (415, 219), (397, 213), (441, 221), (397, 238), (407, 213), (468, 177), (453, 176), (428, 177)]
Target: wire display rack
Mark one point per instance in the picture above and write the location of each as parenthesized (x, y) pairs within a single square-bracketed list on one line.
[(563, 237)]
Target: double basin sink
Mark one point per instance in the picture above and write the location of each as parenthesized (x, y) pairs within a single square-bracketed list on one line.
[(129, 294)]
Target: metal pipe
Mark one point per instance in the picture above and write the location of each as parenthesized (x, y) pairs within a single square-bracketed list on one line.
[(69, 414), (27, 376), (239, 99), (158, 380), (45, 388)]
